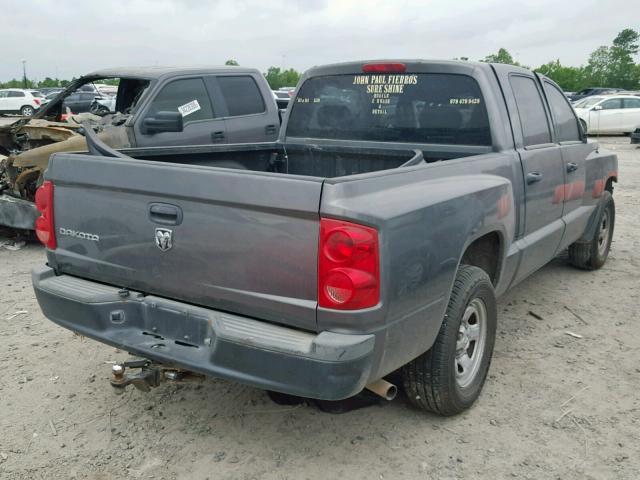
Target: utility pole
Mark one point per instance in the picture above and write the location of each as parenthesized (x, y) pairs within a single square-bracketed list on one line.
[(24, 74)]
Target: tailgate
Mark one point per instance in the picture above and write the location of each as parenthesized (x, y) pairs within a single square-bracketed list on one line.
[(239, 241)]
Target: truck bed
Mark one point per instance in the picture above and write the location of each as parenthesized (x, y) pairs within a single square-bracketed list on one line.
[(297, 159)]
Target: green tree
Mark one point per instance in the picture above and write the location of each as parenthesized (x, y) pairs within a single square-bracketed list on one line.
[(597, 69), (282, 78), (49, 82), (569, 78), (231, 62), (503, 56), (623, 72)]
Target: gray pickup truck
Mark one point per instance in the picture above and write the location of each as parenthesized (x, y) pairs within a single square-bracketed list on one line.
[(154, 106), (401, 199)]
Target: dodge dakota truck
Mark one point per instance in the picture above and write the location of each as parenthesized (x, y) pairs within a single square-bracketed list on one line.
[(374, 236), (154, 106)]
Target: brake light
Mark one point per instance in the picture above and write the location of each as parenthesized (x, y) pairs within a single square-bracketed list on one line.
[(348, 266), (384, 68), (37, 101), (44, 223)]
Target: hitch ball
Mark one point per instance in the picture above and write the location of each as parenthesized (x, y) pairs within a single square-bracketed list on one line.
[(117, 371)]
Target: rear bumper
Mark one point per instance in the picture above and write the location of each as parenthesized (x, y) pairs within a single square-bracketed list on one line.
[(327, 365)]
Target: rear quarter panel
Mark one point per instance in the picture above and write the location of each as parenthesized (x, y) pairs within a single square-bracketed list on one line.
[(426, 217)]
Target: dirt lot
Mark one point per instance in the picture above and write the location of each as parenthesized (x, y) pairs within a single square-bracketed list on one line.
[(555, 406)]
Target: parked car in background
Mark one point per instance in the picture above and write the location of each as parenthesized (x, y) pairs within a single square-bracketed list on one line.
[(154, 106), (50, 96), (609, 114), (80, 101), (47, 90), (288, 90), (103, 105), (588, 92), (106, 89), (23, 102), (281, 98)]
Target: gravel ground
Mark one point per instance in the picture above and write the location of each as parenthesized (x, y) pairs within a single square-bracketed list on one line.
[(555, 405)]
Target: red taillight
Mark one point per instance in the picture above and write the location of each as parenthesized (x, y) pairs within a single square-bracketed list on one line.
[(384, 68), (44, 223), (348, 266), (36, 101)]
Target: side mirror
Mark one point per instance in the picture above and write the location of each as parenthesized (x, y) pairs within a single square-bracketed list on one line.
[(597, 107), (163, 122)]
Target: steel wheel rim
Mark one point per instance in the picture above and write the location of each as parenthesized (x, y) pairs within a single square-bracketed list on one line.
[(603, 233), (471, 341)]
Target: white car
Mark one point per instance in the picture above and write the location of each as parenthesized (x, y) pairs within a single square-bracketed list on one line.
[(15, 100), (604, 114)]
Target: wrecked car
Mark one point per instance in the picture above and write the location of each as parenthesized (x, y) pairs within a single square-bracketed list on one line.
[(154, 106)]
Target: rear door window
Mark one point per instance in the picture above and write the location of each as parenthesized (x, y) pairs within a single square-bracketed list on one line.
[(613, 104), (565, 120), (631, 103), (412, 108), (16, 94), (533, 118), (188, 96), (242, 95)]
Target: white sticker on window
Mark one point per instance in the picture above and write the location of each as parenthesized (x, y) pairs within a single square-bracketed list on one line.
[(189, 108)]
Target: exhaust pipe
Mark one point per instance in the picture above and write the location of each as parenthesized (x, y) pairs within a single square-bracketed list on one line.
[(381, 387)]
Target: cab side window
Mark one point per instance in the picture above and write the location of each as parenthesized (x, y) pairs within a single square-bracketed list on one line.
[(241, 94), (188, 96), (533, 118), (612, 104), (631, 103), (565, 121)]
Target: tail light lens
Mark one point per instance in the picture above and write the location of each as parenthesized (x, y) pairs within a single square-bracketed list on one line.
[(348, 266), (44, 223), (37, 101)]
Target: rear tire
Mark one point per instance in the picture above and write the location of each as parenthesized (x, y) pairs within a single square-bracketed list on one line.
[(449, 377), (593, 254), (27, 111)]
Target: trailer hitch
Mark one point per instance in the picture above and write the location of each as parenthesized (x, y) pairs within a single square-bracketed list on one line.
[(149, 375)]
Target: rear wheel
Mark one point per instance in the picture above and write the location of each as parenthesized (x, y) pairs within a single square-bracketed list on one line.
[(27, 111), (593, 254), (448, 378)]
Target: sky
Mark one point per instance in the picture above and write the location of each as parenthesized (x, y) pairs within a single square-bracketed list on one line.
[(66, 38)]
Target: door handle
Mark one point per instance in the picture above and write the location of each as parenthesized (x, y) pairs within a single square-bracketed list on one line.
[(572, 167), (270, 129), (533, 177), (165, 214), (217, 136)]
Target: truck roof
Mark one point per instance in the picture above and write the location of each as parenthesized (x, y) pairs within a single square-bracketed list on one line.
[(154, 72), (461, 65)]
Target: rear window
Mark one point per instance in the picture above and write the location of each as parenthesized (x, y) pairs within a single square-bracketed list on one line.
[(412, 108)]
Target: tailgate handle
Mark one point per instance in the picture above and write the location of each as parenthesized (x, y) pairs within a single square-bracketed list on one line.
[(165, 214)]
